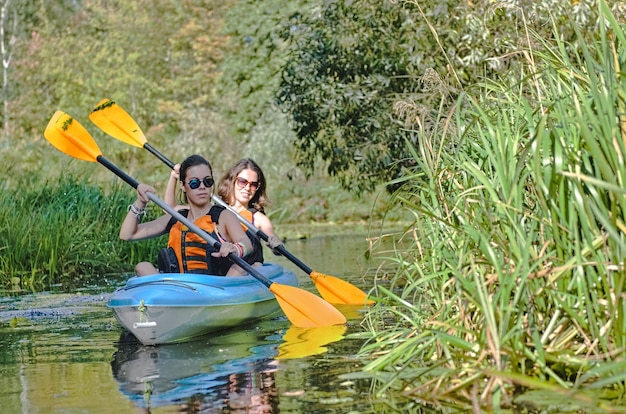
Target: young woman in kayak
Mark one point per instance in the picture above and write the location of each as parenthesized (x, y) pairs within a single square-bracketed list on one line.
[(243, 188), (193, 253)]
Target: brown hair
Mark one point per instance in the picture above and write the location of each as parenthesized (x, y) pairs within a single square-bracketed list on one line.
[(227, 183), (191, 161)]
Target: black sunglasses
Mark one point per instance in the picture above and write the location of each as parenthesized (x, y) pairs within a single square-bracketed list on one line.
[(195, 182)]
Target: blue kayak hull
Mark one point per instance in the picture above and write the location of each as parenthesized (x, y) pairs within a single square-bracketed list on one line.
[(175, 307)]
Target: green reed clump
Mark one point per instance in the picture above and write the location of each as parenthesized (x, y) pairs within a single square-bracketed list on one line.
[(64, 233), (512, 277)]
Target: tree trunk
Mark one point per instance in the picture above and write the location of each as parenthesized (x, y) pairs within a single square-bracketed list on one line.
[(5, 54)]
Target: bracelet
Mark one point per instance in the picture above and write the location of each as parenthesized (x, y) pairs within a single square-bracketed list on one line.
[(241, 249), (136, 211)]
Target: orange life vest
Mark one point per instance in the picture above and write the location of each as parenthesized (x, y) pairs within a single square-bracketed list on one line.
[(248, 214), (192, 251)]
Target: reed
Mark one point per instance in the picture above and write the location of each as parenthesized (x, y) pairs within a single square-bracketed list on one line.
[(512, 277), (64, 233)]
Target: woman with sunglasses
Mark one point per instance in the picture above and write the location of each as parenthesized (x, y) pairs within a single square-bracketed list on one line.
[(243, 188), (193, 253)]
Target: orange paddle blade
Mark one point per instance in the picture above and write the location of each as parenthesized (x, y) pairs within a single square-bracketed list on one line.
[(68, 136), (116, 122), (304, 309), (338, 291), (301, 342)]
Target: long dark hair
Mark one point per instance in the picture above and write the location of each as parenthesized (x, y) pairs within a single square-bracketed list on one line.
[(227, 183), (191, 161)]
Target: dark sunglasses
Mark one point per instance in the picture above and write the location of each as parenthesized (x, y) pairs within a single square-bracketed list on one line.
[(243, 183), (195, 182)]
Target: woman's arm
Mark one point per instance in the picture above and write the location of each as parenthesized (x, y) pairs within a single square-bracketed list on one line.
[(230, 229), (132, 229), (170, 191), (263, 223)]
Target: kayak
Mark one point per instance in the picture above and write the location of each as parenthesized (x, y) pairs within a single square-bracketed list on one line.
[(176, 307)]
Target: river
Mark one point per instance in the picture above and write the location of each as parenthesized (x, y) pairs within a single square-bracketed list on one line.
[(66, 353)]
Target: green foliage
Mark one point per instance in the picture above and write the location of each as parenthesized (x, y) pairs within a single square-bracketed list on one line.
[(351, 61), (198, 76), (346, 68), (511, 276), (65, 233), (157, 60), (251, 69)]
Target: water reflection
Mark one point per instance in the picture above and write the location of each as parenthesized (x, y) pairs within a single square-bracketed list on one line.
[(57, 354), (230, 373), (302, 342)]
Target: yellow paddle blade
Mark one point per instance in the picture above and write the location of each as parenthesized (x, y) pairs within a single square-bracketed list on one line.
[(338, 291), (304, 309), (302, 342), (116, 122), (68, 136)]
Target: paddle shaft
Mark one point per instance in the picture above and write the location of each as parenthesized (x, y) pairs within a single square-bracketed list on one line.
[(157, 154), (171, 211), (264, 236)]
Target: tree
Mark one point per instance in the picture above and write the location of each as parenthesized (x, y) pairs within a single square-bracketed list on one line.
[(256, 53), (352, 60), (346, 68), (7, 40), (157, 59)]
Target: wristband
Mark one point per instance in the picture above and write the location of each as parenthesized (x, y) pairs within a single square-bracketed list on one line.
[(136, 211), (241, 249)]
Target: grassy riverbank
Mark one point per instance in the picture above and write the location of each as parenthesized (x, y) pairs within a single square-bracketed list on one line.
[(64, 233), (513, 277)]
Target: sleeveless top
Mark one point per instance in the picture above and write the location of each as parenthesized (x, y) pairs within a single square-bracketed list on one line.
[(257, 253)]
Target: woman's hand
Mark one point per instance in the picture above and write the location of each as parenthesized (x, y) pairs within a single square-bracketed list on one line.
[(142, 194), (273, 242), (225, 249), (175, 174)]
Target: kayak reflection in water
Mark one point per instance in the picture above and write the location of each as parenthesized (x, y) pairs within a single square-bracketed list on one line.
[(197, 377)]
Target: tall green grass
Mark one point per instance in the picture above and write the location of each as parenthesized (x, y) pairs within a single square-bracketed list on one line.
[(512, 277), (65, 233)]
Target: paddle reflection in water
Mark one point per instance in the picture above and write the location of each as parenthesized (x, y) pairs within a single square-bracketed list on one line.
[(301, 342), (226, 373)]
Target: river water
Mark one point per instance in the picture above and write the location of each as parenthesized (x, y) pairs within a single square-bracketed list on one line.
[(66, 353)]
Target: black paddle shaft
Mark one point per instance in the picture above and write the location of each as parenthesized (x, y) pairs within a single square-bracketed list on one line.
[(157, 154)]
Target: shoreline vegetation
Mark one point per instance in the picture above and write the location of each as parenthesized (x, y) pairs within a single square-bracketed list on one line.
[(512, 294)]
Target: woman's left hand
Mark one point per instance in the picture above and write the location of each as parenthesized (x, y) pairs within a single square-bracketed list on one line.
[(273, 242)]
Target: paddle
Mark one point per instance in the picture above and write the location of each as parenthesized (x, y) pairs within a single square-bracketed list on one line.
[(302, 308), (116, 122)]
